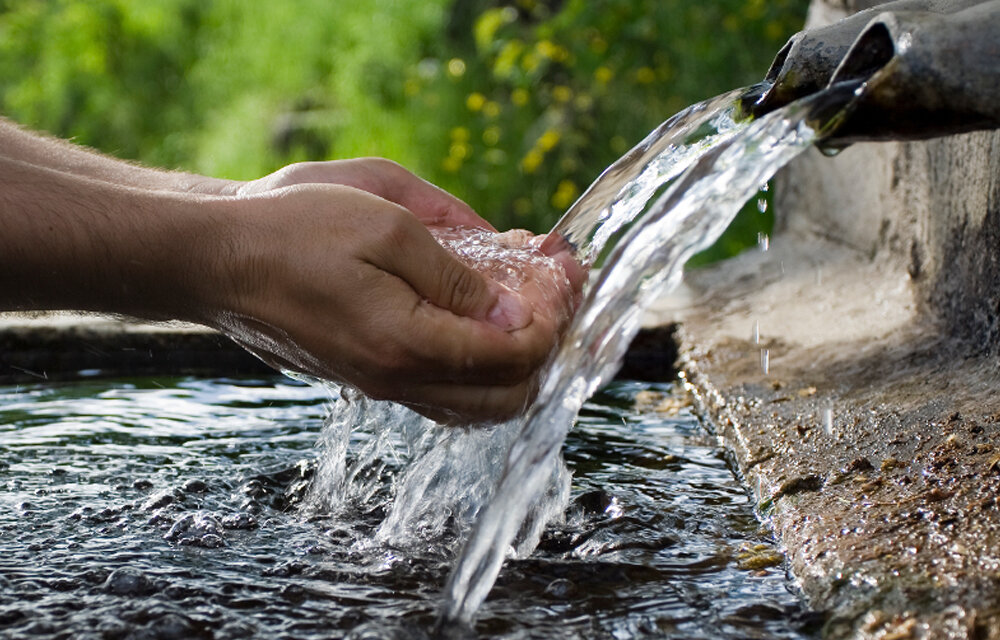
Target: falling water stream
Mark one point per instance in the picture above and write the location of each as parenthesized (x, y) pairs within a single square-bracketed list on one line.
[(156, 508), (679, 189)]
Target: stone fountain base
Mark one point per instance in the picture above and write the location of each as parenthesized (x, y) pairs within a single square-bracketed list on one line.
[(871, 442), (871, 438)]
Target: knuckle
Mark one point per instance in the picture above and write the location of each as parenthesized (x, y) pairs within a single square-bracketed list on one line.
[(384, 169), (460, 287), (396, 231)]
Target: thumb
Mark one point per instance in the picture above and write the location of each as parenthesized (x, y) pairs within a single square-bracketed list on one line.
[(446, 282)]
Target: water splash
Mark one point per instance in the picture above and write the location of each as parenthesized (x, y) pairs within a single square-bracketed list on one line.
[(442, 476), (668, 198), (695, 190)]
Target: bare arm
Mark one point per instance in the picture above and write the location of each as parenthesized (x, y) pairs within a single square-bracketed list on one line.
[(78, 243), (325, 279), (36, 149), (380, 177)]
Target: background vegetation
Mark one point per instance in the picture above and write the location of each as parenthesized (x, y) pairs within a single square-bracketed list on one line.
[(514, 105)]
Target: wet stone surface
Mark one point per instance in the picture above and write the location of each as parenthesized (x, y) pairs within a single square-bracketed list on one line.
[(873, 456), (167, 508)]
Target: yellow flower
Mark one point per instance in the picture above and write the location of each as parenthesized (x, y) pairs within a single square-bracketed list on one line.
[(460, 134), (491, 135), (451, 164), (507, 58), (531, 161), (603, 74), (645, 75), (545, 48), (519, 97), (562, 93), (491, 109), (458, 150), (565, 194), (456, 67), (530, 61), (552, 51), (475, 101), (549, 140)]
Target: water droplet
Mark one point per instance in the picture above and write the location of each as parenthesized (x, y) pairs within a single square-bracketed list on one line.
[(763, 241), (765, 361), (829, 151), (755, 332), (828, 420)]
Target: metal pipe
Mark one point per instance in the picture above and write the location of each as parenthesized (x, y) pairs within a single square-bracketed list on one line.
[(809, 59), (925, 74)]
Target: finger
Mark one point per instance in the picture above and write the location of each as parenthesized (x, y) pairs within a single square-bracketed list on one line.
[(427, 344), (431, 205), (464, 405), (474, 352), (409, 252), (557, 247)]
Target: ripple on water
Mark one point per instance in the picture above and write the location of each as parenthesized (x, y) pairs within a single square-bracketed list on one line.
[(119, 522)]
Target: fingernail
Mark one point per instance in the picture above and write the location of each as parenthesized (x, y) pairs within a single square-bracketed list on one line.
[(509, 312)]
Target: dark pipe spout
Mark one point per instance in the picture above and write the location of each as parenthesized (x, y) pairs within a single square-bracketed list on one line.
[(807, 61), (925, 75), (929, 68)]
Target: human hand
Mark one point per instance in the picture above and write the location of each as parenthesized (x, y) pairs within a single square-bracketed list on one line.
[(335, 282), (384, 178)]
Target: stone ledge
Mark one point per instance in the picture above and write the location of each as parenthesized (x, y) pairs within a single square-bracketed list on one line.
[(868, 442), (66, 346), (60, 346)]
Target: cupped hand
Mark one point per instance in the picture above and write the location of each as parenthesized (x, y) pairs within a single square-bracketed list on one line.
[(335, 282), (384, 178)]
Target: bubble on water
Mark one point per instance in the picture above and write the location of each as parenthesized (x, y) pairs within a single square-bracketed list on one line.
[(243, 521), (197, 529), (561, 588), (194, 485), (127, 581)]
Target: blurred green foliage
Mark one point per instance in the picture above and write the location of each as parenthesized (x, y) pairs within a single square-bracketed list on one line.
[(514, 105)]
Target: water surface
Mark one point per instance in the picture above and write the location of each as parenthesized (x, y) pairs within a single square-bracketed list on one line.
[(170, 508)]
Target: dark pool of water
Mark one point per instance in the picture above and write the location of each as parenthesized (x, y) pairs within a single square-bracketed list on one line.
[(166, 508)]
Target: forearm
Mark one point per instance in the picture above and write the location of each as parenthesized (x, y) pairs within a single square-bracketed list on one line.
[(51, 153), (72, 242)]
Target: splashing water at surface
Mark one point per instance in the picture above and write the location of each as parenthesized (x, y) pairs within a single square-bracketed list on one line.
[(668, 198)]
